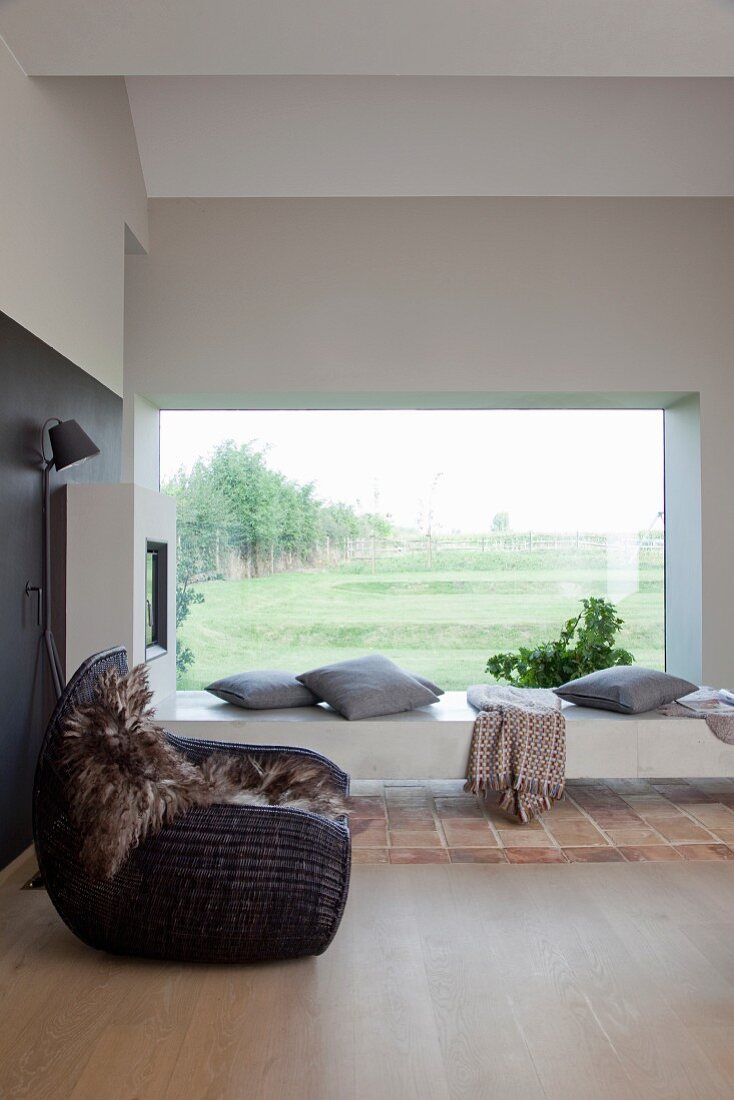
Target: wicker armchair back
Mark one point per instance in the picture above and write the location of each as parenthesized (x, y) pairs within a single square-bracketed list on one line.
[(221, 884)]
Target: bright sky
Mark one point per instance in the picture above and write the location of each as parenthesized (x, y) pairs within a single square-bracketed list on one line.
[(598, 470)]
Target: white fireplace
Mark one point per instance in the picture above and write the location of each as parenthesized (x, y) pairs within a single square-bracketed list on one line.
[(116, 560)]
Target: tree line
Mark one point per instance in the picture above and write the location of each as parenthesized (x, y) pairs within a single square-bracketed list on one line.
[(238, 517)]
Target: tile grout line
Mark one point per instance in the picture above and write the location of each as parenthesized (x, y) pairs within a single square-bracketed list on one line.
[(438, 825), (691, 817), (596, 825), (482, 799)]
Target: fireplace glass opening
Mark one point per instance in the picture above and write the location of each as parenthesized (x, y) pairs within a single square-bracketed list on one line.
[(156, 598)]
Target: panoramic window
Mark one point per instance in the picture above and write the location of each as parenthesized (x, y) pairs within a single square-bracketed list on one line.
[(436, 537)]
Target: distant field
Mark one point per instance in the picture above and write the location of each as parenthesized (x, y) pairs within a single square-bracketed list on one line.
[(444, 623)]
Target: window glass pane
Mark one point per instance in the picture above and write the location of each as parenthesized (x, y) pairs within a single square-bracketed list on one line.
[(436, 537), (151, 597)]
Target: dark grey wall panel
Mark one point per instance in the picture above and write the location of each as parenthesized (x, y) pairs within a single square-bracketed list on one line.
[(35, 383)]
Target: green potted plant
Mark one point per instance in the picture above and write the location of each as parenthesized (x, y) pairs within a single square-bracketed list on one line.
[(586, 644)]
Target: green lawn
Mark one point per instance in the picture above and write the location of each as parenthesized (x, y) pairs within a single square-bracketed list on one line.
[(443, 623)]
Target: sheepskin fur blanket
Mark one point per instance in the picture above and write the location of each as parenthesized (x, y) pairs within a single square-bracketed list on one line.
[(125, 780)]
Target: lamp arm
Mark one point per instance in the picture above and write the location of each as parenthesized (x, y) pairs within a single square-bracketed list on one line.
[(51, 420)]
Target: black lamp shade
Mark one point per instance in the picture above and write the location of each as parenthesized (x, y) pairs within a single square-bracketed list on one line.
[(70, 445)]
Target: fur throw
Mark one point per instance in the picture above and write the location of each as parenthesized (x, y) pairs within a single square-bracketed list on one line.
[(125, 780)]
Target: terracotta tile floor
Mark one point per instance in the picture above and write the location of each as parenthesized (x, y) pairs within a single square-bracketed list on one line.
[(599, 821)]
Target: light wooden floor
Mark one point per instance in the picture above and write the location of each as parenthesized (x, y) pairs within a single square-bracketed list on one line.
[(583, 980)]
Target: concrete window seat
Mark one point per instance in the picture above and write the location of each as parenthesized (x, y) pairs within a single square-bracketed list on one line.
[(433, 742)]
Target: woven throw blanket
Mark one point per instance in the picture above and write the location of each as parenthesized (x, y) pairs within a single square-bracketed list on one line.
[(720, 724), (518, 746)]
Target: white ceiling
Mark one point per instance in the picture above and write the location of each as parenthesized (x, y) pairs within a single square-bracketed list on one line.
[(407, 97), (289, 136), (372, 37)]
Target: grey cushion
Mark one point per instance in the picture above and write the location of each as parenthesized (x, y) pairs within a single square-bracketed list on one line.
[(366, 687), (627, 689), (262, 690), (426, 682)]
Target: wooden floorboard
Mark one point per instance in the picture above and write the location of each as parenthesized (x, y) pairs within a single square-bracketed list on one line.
[(445, 982)]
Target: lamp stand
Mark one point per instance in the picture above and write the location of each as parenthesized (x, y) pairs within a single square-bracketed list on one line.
[(57, 672)]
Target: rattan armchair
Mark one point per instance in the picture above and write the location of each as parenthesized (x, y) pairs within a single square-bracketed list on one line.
[(222, 884)]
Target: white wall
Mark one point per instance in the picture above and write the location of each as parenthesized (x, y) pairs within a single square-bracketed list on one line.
[(70, 179), (683, 564), (373, 136), (321, 300), (104, 575), (140, 442), (520, 37), (241, 295)]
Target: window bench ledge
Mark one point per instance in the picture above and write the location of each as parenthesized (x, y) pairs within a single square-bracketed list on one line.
[(433, 742)]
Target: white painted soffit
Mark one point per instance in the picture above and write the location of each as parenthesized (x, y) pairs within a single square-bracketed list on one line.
[(221, 137), (372, 37)]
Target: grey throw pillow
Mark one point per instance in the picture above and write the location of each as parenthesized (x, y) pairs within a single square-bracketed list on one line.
[(627, 689), (426, 682), (264, 689), (367, 687)]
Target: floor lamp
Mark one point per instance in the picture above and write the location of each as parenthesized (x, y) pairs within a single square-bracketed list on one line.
[(70, 445)]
